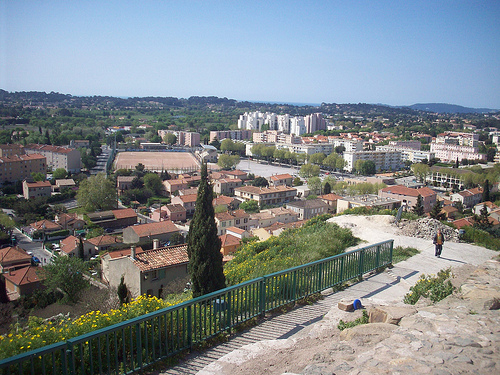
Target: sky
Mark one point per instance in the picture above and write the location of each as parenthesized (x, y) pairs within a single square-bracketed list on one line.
[(389, 52)]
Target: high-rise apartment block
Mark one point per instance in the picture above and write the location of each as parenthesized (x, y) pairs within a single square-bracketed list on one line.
[(57, 156)]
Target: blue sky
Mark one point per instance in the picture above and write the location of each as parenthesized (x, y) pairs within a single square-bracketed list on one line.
[(391, 52)]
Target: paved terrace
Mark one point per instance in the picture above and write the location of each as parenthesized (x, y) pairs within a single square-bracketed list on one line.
[(388, 287)]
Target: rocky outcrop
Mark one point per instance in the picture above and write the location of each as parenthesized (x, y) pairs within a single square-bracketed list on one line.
[(426, 228), (458, 335)]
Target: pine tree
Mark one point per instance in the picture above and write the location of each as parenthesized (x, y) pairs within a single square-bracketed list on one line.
[(122, 291), (436, 211), (205, 259), (419, 207)]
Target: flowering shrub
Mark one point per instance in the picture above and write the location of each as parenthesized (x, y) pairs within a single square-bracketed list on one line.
[(39, 333), (435, 288), (315, 240)]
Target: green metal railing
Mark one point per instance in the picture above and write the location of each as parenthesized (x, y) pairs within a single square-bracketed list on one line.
[(133, 344)]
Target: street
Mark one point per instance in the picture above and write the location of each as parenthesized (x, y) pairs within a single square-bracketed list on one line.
[(36, 248)]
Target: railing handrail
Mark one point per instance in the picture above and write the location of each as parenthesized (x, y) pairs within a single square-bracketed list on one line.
[(265, 293)]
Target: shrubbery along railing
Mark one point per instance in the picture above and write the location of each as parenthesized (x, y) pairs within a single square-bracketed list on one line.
[(133, 344)]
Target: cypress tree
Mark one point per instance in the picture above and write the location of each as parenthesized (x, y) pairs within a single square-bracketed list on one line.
[(486, 190), (122, 291), (205, 259), (419, 207), (81, 253), (436, 211), (327, 188), (3, 292)]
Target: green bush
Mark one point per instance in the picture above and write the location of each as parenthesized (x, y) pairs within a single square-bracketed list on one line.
[(316, 240), (363, 320), (481, 238), (435, 288), (400, 253)]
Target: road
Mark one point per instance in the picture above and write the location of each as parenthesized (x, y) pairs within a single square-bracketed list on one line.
[(36, 248)]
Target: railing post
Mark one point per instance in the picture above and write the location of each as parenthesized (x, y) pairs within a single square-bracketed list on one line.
[(138, 340), (342, 261), (189, 327), (227, 308), (361, 264), (390, 253), (66, 361), (294, 285), (377, 258), (320, 277), (262, 301)]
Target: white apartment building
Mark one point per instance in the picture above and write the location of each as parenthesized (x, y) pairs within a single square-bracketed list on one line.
[(284, 123), (414, 156), (325, 148), (384, 160), (414, 145), (297, 125), (57, 156), (350, 145), (449, 153)]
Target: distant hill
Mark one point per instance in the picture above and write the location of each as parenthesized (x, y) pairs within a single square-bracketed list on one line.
[(448, 108)]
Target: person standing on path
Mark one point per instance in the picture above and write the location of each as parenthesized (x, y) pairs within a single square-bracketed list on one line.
[(438, 242)]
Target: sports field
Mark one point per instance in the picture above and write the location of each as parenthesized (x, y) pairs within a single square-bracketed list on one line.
[(157, 161)]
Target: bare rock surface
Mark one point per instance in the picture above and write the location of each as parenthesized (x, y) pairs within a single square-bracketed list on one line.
[(458, 335)]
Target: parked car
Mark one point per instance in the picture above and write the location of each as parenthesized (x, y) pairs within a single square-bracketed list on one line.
[(35, 260)]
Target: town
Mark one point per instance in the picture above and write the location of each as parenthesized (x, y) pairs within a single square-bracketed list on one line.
[(113, 183)]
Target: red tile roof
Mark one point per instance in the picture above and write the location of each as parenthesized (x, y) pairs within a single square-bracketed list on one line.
[(24, 276), (38, 184), (188, 198), (45, 224), (124, 213), (229, 240), (69, 244), (104, 240), (124, 252), (409, 192), (12, 254), (278, 177), (152, 229), (330, 197), (161, 258), (175, 208)]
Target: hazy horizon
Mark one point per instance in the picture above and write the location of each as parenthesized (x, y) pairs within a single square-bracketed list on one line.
[(387, 52)]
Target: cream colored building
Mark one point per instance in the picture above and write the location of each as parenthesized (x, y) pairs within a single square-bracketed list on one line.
[(20, 167)]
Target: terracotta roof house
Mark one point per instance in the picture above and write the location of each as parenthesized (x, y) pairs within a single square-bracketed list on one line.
[(266, 196), (70, 247), (124, 183), (468, 221), (236, 174), (151, 272), (226, 186), (13, 257), (280, 179), (104, 242), (450, 212), (114, 218), (22, 281), (36, 189), (469, 198), (224, 220), (308, 209), (489, 206), (229, 203), (265, 218), (189, 191), (408, 196), (186, 201), (146, 233), (70, 221), (369, 201), (229, 244), (172, 186), (65, 183), (331, 200)]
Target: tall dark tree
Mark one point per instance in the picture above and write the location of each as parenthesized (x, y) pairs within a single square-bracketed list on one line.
[(205, 259), (436, 211), (122, 291), (486, 190), (327, 189), (482, 221), (3, 292), (419, 207), (81, 252)]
